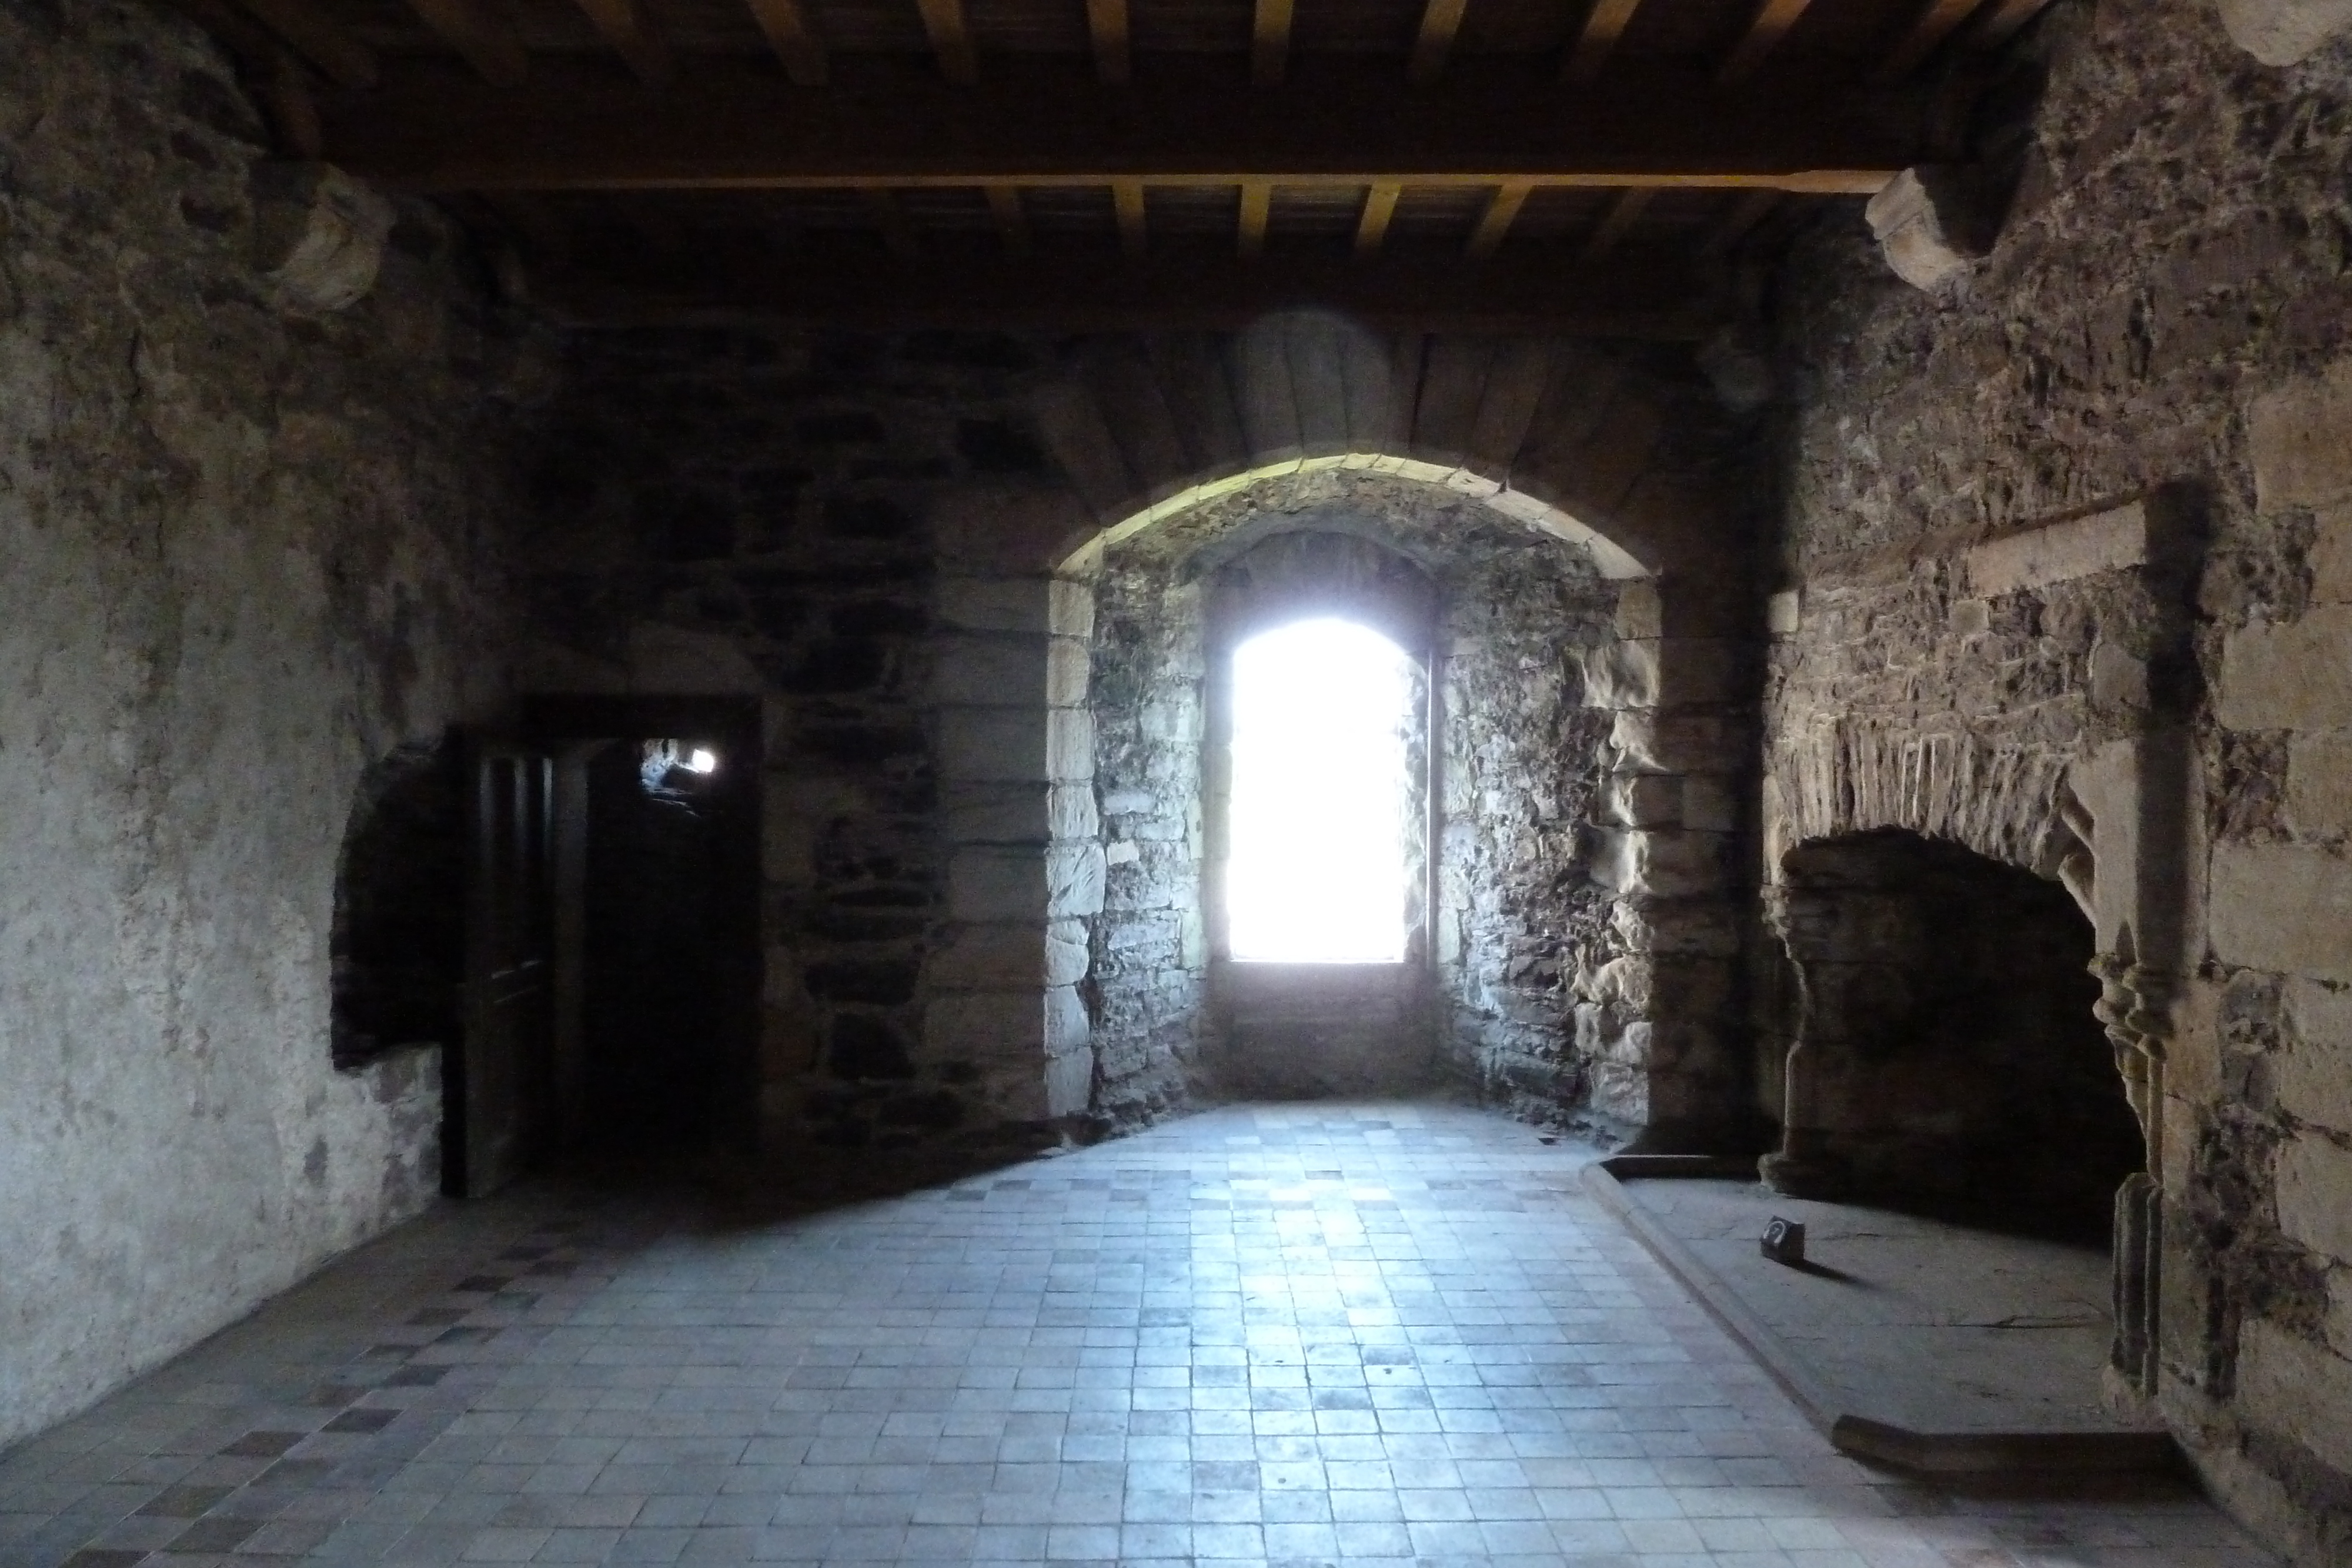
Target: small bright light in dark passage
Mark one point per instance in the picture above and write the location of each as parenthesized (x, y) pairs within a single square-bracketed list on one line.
[(700, 760), (1316, 838)]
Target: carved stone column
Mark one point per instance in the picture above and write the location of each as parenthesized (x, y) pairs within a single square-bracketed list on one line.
[(2133, 1006), (1802, 1167)]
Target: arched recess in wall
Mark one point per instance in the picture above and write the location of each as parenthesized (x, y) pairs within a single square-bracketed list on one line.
[(1660, 837), (398, 946)]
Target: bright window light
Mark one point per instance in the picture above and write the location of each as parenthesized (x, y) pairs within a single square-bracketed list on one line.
[(1316, 836), (700, 760)]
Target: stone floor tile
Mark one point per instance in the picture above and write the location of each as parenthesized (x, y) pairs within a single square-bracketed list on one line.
[(1360, 1334)]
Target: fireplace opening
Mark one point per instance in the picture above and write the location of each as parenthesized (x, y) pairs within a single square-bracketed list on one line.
[(1948, 1058)]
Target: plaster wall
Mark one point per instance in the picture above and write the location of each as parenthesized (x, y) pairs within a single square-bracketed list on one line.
[(247, 556), (2060, 584)]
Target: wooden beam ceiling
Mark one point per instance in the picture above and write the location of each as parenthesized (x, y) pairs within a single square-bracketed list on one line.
[(1270, 41), (1380, 208), (1495, 222), (1012, 219), (950, 34), (1440, 21), (484, 38), (1934, 24), (1623, 212), (1596, 39), (314, 36), (1542, 287), (629, 29), (1107, 27), (1126, 207), (1030, 123), (788, 32), (1773, 20)]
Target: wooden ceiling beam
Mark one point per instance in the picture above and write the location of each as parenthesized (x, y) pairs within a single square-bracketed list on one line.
[(890, 218), (1106, 26), (1495, 224), (788, 32), (318, 38), (1012, 219), (2005, 22), (1440, 20), (1127, 206), (1533, 287), (628, 27), (485, 38), (1596, 39), (1257, 213), (427, 128), (1623, 212), (1379, 208), (1773, 20), (1934, 24), (1270, 41), (1747, 209), (951, 34)]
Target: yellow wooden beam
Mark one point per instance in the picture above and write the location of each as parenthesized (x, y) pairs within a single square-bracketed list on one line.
[(789, 32), (1380, 208), (1495, 222)]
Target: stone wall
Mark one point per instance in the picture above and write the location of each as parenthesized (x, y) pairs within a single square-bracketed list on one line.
[(896, 543), (2059, 581), (1522, 930), (765, 515), (248, 555)]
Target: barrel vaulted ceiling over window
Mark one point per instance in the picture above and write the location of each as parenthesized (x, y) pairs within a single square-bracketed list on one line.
[(1570, 164)]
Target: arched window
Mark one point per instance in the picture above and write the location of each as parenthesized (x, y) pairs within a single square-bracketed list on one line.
[(1318, 862)]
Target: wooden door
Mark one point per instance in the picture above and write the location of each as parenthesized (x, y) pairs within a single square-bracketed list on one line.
[(498, 1116)]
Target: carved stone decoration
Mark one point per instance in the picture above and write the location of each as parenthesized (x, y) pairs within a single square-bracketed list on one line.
[(1928, 224), (2134, 1007), (319, 236), (2282, 32)]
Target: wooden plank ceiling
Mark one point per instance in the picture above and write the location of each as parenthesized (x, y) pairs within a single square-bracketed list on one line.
[(1570, 164)]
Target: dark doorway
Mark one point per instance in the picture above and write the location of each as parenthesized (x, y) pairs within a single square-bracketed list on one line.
[(652, 1023), (657, 949)]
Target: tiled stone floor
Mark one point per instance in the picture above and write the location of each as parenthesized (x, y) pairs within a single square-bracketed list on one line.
[(1323, 1333)]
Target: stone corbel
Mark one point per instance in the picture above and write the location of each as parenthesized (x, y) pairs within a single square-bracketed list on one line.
[(319, 236), (2283, 32), (1931, 224)]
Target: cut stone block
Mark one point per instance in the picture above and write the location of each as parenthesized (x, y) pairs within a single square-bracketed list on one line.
[(1075, 874), (997, 885), (1069, 1083), (2331, 554), (2282, 908), (2106, 541), (2291, 676), (1010, 671), (2313, 1076), (2315, 1195), (2282, 32), (1067, 1027), (1658, 865), (319, 236), (998, 958), (980, 1025), (2319, 784), (1057, 605), (1007, 745), (1927, 225), (2294, 434)]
